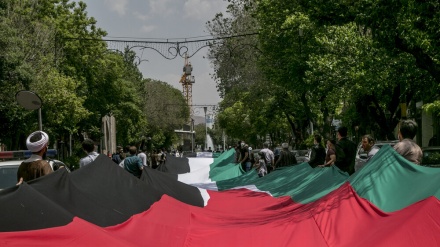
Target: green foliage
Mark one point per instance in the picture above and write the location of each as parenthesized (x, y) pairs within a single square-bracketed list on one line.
[(165, 110), (433, 107), (309, 142), (63, 110), (321, 60), (200, 137), (432, 159), (409, 27), (53, 49)]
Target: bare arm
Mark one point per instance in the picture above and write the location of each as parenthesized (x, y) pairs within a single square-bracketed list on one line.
[(332, 160)]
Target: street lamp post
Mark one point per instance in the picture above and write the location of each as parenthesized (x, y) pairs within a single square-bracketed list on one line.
[(30, 101), (206, 128), (192, 135)]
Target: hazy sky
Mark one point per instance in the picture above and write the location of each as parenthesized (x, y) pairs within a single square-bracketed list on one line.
[(163, 19)]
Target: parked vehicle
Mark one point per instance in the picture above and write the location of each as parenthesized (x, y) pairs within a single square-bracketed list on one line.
[(9, 163), (302, 155), (361, 156), (8, 173)]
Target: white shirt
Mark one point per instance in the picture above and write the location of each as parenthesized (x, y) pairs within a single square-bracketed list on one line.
[(143, 157), (88, 159), (262, 170), (269, 155)]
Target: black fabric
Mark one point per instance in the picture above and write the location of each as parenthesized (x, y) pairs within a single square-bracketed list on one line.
[(166, 183), (101, 193), (175, 165), (23, 208)]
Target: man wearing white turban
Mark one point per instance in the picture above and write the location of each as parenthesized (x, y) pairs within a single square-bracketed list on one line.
[(35, 166)]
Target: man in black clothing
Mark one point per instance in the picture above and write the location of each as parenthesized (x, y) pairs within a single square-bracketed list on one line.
[(317, 157), (118, 157), (244, 159), (345, 163)]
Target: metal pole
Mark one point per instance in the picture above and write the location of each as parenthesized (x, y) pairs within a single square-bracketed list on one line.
[(70, 145), (224, 141), (40, 121), (206, 129), (192, 135)]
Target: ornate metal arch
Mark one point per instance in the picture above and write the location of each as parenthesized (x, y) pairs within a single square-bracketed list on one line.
[(168, 49)]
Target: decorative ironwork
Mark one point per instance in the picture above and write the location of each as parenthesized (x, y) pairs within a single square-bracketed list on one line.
[(167, 49)]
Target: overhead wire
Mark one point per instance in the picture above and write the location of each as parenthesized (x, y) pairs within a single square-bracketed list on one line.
[(169, 40)]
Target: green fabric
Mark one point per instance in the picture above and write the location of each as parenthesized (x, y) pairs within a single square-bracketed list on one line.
[(275, 177), (388, 181), (231, 170), (391, 182), (301, 182), (318, 183), (223, 160), (216, 155), (246, 179)]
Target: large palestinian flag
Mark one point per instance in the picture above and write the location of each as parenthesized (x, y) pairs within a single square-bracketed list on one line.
[(390, 202)]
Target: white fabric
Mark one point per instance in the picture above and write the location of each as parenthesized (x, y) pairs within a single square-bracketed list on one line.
[(250, 187), (199, 163), (199, 171), (205, 196), (199, 176), (207, 186), (38, 145)]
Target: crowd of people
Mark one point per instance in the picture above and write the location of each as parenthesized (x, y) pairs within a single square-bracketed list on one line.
[(37, 165), (340, 153), (135, 161)]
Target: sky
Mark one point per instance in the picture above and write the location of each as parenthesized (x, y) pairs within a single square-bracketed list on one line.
[(163, 19)]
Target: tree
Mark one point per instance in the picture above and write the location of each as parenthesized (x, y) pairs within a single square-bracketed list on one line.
[(237, 63), (62, 108), (55, 49), (165, 110), (340, 70), (408, 27), (27, 55)]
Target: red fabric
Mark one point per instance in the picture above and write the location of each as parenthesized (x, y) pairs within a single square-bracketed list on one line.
[(345, 219), (166, 223), (247, 218), (77, 233)]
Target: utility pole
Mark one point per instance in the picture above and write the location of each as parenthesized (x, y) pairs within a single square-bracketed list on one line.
[(206, 129)]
